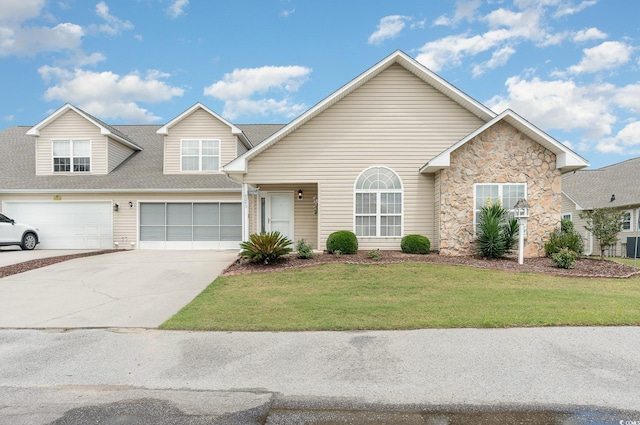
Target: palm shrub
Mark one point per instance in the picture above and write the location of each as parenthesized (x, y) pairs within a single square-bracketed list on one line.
[(497, 233), (564, 237), (265, 247), (344, 241), (415, 244)]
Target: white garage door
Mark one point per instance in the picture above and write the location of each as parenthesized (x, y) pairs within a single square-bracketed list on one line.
[(190, 225), (67, 225)]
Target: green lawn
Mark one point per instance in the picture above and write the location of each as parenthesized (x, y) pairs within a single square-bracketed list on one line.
[(406, 296)]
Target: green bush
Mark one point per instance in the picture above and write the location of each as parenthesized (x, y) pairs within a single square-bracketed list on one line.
[(415, 244), (564, 237), (304, 250), (265, 247), (344, 241), (497, 234), (375, 255), (565, 258)]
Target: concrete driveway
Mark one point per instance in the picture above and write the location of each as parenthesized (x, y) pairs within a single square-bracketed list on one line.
[(135, 288)]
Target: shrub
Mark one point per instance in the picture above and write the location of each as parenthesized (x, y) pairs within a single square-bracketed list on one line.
[(415, 244), (265, 247), (565, 258), (564, 237), (496, 232), (375, 255), (304, 250), (344, 241)]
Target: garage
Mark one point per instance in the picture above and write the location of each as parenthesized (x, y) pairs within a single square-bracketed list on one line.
[(190, 225), (67, 225)]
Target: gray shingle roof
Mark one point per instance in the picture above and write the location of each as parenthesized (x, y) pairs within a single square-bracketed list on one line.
[(142, 171), (256, 133), (593, 188)]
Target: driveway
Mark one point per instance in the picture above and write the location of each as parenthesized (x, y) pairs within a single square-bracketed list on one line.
[(135, 288)]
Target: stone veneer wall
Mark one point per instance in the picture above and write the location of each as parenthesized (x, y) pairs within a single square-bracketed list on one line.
[(501, 154)]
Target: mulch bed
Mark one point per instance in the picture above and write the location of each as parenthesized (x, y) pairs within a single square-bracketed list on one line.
[(42, 262), (584, 267)]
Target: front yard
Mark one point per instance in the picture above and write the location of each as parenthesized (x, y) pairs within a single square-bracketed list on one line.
[(339, 296)]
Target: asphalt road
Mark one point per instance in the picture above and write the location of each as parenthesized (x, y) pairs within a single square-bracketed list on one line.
[(131, 375)]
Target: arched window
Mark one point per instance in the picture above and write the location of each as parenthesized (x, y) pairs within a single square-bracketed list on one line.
[(378, 203)]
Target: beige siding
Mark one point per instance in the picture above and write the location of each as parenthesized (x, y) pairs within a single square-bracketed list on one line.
[(70, 125), (117, 153), (394, 120), (125, 221), (241, 148), (199, 125), (305, 224)]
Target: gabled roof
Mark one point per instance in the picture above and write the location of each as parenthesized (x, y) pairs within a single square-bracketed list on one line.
[(590, 189), (239, 165), (105, 129), (164, 130), (566, 159)]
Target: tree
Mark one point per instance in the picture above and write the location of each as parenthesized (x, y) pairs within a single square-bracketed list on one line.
[(604, 224)]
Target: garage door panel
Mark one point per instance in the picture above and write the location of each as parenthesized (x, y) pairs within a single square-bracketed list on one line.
[(70, 225)]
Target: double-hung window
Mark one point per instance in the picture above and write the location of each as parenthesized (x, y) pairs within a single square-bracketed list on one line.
[(200, 155), (71, 156), (506, 193), (627, 221), (378, 203)]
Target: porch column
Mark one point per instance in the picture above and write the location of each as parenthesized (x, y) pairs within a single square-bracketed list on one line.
[(245, 212)]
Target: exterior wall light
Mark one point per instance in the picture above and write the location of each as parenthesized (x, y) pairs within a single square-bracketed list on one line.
[(300, 195), (116, 206)]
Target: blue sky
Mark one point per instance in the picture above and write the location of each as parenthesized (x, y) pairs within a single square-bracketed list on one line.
[(571, 67)]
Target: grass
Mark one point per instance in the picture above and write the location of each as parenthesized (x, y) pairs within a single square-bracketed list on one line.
[(406, 296)]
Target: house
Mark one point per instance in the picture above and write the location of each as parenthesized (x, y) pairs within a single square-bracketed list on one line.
[(611, 186), (396, 151)]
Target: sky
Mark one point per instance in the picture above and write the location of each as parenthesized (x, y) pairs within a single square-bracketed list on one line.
[(570, 67)]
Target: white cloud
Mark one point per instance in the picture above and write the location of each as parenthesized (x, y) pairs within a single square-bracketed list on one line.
[(498, 58), (177, 7), (32, 40), (588, 34), (107, 94), (608, 55), (389, 27), (113, 24), (464, 10), (570, 9), (20, 10), (627, 141), (627, 97), (237, 88), (559, 104), (287, 13)]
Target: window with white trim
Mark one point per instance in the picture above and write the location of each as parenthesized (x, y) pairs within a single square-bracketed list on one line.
[(566, 216), (627, 221), (378, 203), (71, 156), (507, 193), (200, 155)]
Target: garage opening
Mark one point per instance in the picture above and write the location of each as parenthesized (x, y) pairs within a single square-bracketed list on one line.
[(190, 225), (67, 225)]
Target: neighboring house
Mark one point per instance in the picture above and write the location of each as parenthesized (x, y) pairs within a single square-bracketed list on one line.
[(396, 151), (612, 186), (87, 184)]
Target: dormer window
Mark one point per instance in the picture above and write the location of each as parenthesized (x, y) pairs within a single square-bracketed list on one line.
[(200, 155), (71, 156)]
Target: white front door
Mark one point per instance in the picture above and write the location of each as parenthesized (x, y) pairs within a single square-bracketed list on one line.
[(280, 214)]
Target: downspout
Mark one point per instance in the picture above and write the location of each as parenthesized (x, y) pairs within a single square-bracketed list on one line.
[(245, 212), (590, 238)]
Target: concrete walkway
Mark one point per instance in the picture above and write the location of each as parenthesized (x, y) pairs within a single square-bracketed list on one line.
[(138, 288), (216, 373)]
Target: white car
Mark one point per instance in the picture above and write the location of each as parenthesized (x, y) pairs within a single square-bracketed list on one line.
[(12, 233)]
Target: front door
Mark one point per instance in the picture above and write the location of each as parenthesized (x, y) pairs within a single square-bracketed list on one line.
[(280, 214)]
